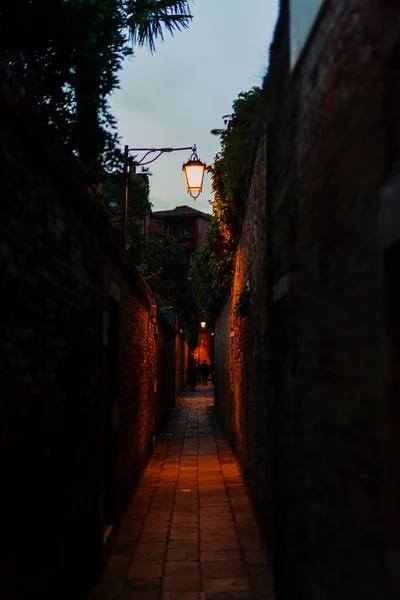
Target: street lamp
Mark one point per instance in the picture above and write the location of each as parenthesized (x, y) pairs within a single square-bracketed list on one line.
[(194, 174), (193, 170), (203, 324)]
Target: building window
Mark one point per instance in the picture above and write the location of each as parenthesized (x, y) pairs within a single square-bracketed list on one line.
[(184, 232)]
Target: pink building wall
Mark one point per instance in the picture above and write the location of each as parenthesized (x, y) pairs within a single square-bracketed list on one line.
[(201, 228)]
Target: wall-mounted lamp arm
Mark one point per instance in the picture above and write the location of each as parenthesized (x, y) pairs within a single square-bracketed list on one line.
[(151, 150), (193, 163)]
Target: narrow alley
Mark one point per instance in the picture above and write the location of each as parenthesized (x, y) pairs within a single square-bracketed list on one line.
[(189, 532)]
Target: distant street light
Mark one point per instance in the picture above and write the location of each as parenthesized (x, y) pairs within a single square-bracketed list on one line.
[(203, 324), (193, 170)]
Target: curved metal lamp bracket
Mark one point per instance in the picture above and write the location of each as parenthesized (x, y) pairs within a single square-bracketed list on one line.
[(160, 151), (142, 162)]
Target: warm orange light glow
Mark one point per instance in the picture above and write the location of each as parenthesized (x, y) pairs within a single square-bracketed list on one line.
[(203, 324), (194, 175)]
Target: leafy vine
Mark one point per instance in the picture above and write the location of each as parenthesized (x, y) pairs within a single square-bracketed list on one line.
[(213, 266)]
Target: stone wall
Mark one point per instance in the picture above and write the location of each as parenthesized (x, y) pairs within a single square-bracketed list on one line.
[(329, 408), (87, 373), (241, 346), (181, 361)]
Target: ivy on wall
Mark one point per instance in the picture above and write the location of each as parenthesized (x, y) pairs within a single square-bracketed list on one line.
[(213, 266)]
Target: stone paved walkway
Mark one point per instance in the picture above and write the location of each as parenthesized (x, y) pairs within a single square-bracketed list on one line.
[(189, 532)]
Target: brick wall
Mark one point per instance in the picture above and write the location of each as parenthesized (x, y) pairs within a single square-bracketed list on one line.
[(181, 361), (328, 408), (241, 348), (86, 374)]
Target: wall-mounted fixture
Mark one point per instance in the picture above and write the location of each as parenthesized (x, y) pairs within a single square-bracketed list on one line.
[(194, 174), (193, 170)]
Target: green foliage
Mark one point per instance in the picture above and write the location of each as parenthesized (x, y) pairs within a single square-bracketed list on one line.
[(165, 267), (146, 19), (112, 194), (212, 270), (68, 54), (231, 165), (68, 57)]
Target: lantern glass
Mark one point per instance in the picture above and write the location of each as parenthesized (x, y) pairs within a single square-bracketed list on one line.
[(194, 175), (203, 324)]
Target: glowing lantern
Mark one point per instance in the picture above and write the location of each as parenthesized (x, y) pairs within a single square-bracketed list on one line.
[(194, 174)]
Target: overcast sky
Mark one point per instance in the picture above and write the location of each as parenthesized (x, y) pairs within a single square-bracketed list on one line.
[(175, 97)]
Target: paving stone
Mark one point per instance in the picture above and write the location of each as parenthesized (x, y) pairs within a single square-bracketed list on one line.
[(226, 585), (183, 554), (149, 548), (143, 584), (145, 570), (162, 528), (183, 596), (189, 532), (218, 534), (182, 583), (147, 537), (232, 596), (212, 545), (184, 533), (182, 544), (183, 519), (181, 567), (149, 559), (129, 594), (222, 555), (220, 569)]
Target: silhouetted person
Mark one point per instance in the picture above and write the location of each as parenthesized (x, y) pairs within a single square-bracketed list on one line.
[(192, 373), (204, 372), (212, 373)]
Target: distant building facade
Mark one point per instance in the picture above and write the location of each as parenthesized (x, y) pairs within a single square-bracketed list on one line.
[(189, 226), (184, 222)]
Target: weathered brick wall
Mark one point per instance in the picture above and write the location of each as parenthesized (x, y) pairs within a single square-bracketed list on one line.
[(241, 348), (185, 365), (329, 401), (171, 377), (79, 361), (181, 348), (334, 189)]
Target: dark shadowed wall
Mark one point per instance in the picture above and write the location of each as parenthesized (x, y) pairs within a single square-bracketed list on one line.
[(327, 418), (87, 370)]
